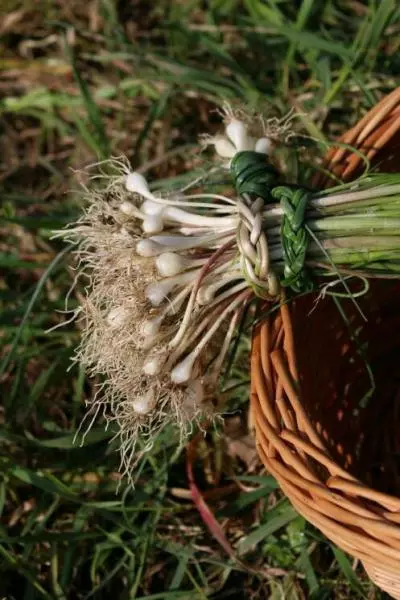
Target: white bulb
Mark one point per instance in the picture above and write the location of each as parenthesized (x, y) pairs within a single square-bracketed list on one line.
[(157, 292), (152, 366), (203, 295), (206, 293), (148, 248), (144, 404), (183, 370), (135, 182), (223, 147), (148, 343), (237, 132), (264, 145), (153, 224), (151, 327), (169, 264), (117, 317), (127, 208), (151, 208)]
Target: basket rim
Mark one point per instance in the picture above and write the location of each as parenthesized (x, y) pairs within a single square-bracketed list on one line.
[(360, 519), (370, 135)]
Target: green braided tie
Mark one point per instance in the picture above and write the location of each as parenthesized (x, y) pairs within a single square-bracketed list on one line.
[(253, 174), (294, 236)]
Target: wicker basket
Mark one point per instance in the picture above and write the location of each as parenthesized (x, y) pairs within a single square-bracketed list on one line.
[(335, 459), (377, 136)]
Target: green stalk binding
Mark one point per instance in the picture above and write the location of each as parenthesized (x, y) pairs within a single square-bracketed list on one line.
[(294, 236), (253, 174)]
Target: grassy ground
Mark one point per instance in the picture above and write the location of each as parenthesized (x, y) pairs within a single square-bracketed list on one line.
[(81, 80)]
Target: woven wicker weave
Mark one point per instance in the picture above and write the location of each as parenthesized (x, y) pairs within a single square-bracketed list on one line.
[(377, 135), (335, 460)]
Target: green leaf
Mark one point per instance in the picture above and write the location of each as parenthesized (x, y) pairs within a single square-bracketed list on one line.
[(16, 564), (97, 139), (48, 483), (348, 572), (276, 519), (72, 441), (305, 564), (4, 364), (246, 498)]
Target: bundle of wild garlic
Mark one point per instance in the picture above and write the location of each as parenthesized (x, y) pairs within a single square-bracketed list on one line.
[(169, 275)]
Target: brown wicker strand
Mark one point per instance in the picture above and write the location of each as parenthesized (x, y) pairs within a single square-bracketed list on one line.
[(306, 379)]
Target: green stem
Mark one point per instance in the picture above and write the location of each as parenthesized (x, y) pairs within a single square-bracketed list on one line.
[(363, 223)]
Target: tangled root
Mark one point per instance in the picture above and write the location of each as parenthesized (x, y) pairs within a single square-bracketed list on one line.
[(112, 317)]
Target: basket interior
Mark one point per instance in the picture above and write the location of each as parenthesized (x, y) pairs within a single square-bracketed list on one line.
[(387, 159), (358, 418)]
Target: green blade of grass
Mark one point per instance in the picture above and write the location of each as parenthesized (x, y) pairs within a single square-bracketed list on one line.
[(56, 260), (16, 564), (345, 566), (69, 442), (305, 564), (302, 17), (275, 521), (98, 138)]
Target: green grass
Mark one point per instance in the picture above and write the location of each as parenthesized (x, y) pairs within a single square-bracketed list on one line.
[(123, 78)]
